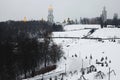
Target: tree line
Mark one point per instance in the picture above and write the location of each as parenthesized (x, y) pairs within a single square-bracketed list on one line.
[(25, 46), (97, 20)]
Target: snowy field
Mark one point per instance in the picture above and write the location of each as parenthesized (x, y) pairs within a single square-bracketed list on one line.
[(84, 53), (79, 27)]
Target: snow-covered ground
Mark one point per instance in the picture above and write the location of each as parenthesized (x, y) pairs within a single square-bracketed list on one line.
[(107, 33), (79, 27), (82, 53), (79, 33)]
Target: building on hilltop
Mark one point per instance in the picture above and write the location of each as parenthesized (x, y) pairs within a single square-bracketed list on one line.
[(103, 18), (115, 15), (104, 15), (50, 14)]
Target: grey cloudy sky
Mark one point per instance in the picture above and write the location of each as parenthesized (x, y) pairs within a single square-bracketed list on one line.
[(37, 9)]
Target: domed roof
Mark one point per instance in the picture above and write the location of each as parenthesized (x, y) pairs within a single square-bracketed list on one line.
[(50, 7)]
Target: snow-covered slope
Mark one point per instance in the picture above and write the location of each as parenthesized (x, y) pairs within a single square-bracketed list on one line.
[(79, 33), (107, 33), (79, 27), (82, 53)]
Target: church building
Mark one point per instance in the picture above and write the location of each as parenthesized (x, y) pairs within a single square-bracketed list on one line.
[(104, 15)]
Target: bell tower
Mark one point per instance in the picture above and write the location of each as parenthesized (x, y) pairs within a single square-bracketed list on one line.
[(104, 14), (25, 19), (50, 14)]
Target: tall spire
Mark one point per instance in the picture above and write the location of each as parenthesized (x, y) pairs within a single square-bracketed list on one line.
[(50, 14), (104, 8), (104, 14)]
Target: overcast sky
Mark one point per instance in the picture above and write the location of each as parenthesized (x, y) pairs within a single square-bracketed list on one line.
[(37, 9)]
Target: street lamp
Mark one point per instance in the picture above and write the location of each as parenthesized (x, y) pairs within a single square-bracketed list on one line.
[(65, 68)]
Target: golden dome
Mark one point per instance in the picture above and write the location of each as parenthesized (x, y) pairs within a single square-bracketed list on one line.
[(25, 19), (50, 7)]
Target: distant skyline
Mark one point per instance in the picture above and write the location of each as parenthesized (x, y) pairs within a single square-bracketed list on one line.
[(74, 9)]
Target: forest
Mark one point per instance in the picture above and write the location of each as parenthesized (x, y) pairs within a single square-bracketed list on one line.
[(26, 48)]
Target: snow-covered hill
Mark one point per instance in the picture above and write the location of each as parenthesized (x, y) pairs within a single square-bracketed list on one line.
[(82, 53), (107, 33), (79, 27)]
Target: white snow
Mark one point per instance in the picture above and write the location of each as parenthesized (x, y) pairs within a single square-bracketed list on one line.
[(107, 33), (77, 50), (79, 33), (79, 27)]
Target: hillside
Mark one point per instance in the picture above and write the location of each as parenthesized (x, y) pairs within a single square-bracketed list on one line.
[(82, 53)]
